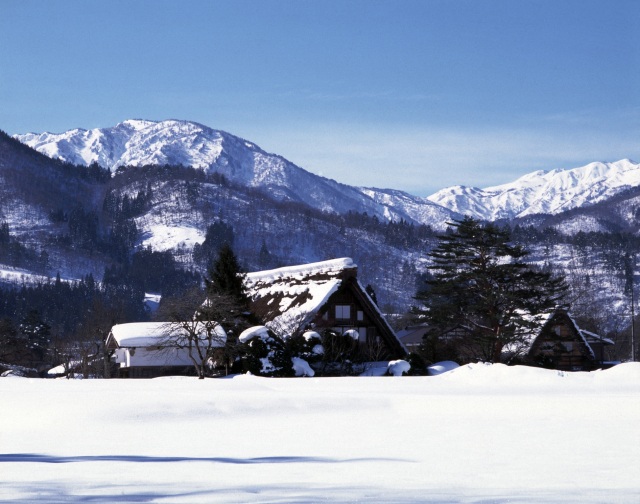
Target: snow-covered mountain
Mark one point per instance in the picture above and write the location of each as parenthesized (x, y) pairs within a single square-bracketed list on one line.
[(140, 142), (542, 192), (72, 220)]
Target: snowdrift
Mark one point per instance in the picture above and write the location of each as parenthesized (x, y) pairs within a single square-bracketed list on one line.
[(476, 433)]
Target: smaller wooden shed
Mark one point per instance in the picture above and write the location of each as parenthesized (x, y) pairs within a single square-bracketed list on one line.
[(561, 344)]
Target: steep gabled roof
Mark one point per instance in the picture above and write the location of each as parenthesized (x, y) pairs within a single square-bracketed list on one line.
[(524, 345), (558, 315), (290, 297)]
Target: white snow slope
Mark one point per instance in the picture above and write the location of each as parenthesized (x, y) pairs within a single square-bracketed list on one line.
[(476, 434), (542, 192)]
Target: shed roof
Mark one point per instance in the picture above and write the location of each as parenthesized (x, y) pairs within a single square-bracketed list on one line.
[(147, 334)]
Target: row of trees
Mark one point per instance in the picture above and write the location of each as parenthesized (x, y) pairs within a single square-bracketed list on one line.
[(479, 298), (53, 322), (14, 253)]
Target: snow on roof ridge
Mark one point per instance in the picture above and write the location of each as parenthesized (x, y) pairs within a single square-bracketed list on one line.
[(330, 266), (581, 334), (381, 315), (125, 334)]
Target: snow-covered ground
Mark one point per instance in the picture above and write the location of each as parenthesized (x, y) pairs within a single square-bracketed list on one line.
[(491, 434)]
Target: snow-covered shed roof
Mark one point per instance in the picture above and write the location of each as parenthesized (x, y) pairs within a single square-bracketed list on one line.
[(287, 297), (148, 334)]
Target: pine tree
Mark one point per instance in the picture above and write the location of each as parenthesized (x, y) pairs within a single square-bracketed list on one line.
[(227, 302), (482, 288), (226, 277)]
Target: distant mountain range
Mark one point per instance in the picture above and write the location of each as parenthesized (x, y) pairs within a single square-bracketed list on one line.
[(141, 142), (67, 217), (543, 192)]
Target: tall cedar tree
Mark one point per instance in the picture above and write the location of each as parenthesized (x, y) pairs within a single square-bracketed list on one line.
[(227, 299), (226, 277), (481, 288)]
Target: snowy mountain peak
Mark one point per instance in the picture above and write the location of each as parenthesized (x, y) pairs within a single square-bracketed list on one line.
[(135, 124), (139, 142), (547, 192), (136, 142)]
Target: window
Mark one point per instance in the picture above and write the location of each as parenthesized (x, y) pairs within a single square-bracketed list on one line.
[(360, 315), (547, 346), (343, 312)]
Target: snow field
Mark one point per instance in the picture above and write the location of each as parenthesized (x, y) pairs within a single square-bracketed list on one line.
[(476, 434)]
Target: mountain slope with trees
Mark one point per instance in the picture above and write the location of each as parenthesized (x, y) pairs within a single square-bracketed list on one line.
[(156, 228)]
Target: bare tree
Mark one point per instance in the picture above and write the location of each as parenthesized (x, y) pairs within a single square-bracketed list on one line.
[(196, 323)]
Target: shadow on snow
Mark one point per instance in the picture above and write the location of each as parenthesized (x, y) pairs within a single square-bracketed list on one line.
[(56, 459)]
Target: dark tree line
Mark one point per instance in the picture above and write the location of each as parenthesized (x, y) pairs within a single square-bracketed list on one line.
[(151, 271), (38, 321)]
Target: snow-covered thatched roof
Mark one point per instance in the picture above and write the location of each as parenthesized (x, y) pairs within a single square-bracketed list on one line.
[(292, 298), (288, 297)]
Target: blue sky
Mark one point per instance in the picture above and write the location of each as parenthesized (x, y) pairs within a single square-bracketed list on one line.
[(412, 95)]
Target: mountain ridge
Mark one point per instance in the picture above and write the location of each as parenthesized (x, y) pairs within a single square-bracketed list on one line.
[(543, 192), (136, 142), (141, 142)]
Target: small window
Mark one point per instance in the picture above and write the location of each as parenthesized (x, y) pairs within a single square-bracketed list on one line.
[(568, 346), (360, 315), (547, 346), (343, 312)]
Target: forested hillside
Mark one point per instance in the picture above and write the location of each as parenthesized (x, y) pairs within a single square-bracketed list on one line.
[(111, 238)]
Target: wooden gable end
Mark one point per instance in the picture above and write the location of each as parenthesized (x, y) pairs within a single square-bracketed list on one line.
[(352, 308), (560, 345), (111, 343)]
